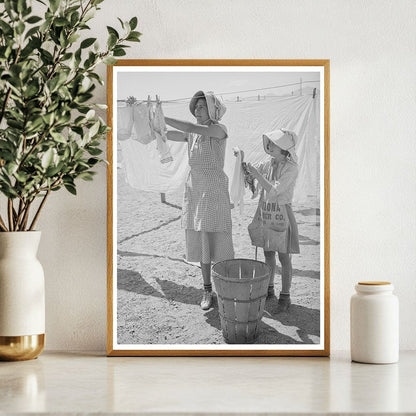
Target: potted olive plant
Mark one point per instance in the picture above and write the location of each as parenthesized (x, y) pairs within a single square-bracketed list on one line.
[(50, 137)]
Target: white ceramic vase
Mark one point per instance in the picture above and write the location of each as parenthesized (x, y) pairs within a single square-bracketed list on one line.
[(22, 296)]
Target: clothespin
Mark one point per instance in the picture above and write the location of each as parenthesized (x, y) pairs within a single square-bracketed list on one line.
[(149, 100), (314, 93), (157, 99)]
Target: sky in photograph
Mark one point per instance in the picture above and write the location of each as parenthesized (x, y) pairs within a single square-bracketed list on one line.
[(229, 85)]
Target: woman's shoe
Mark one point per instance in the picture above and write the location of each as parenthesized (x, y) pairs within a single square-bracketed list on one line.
[(207, 300), (270, 292)]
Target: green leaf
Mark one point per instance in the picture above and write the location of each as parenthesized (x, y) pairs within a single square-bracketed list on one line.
[(63, 41), (74, 18), (111, 30), (11, 168), (90, 114), (82, 98), (47, 158), (67, 56), (60, 138), (94, 129), (52, 171), (70, 188), (92, 161), (10, 8), (31, 90), (53, 83), (73, 38), (48, 118), (20, 28), (86, 176), (61, 21), (7, 30), (16, 124), (133, 37), (8, 191), (54, 4), (90, 14), (21, 6), (34, 125), (110, 60), (121, 22), (21, 177), (87, 42), (94, 151), (33, 19), (119, 52), (67, 153), (112, 41), (133, 23)]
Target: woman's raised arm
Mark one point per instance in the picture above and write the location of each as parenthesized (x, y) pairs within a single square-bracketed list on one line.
[(214, 130), (176, 136)]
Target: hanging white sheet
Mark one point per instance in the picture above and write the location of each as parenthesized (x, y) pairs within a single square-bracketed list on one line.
[(246, 122)]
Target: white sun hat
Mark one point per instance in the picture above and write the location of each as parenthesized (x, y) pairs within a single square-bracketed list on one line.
[(216, 109), (283, 138)]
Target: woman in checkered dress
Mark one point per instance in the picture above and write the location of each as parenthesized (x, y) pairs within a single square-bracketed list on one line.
[(206, 209)]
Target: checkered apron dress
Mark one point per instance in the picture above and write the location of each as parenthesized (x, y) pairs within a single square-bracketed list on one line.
[(206, 208)]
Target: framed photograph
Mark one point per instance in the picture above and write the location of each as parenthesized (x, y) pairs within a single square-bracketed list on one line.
[(218, 208)]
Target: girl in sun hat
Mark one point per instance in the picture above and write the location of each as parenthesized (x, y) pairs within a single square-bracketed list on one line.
[(274, 225), (206, 209)]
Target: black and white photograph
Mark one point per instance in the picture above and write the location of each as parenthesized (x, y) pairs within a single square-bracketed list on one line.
[(219, 208)]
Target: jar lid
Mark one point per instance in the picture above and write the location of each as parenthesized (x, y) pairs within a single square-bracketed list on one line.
[(372, 287), (373, 283)]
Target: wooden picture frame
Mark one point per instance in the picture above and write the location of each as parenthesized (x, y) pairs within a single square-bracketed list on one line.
[(153, 291)]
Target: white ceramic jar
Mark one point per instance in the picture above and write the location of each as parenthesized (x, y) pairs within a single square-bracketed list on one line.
[(374, 323)]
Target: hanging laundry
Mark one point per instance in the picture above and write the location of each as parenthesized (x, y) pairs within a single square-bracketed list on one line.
[(238, 184), (159, 129), (142, 117), (247, 121), (124, 122)]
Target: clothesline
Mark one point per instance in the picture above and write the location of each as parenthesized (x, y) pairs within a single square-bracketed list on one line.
[(220, 93), (246, 124)]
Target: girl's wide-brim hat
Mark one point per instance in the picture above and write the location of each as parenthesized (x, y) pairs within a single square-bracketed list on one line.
[(283, 138), (216, 109)]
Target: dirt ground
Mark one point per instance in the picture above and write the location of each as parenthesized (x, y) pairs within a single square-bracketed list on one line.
[(158, 292)]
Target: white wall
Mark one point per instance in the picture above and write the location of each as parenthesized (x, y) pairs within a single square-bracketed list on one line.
[(371, 45)]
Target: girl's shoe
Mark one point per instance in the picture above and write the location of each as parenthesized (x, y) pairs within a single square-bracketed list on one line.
[(283, 303), (207, 300)]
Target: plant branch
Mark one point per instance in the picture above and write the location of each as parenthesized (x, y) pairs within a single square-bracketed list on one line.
[(18, 215), (26, 216), (10, 213), (21, 213), (39, 209), (2, 224)]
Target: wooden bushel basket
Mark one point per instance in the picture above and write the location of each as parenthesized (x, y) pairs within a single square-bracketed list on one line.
[(241, 286)]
